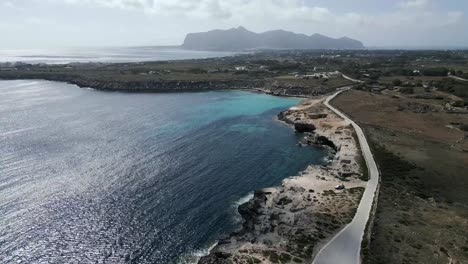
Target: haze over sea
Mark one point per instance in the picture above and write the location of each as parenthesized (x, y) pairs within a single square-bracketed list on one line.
[(89, 176), (105, 55)]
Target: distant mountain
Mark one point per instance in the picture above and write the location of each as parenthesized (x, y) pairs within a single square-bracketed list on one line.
[(239, 39)]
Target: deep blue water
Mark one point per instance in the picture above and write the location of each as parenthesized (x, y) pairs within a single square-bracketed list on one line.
[(100, 177)]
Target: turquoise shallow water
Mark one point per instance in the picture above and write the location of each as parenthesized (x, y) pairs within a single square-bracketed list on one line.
[(94, 177)]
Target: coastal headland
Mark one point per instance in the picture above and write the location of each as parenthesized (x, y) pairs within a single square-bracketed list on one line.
[(286, 77), (289, 223)]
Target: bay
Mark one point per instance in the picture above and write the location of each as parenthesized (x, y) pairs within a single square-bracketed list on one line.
[(104, 177)]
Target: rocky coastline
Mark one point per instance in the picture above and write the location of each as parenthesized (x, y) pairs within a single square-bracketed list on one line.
[(289, 223), (144, 86), (165, 86)]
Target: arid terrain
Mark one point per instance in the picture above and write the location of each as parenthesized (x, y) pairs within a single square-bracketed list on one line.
[(422, 154)]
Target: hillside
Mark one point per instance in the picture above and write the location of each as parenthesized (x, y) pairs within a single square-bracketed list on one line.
[(239, 39)]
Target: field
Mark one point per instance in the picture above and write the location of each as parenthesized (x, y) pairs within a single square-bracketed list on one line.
[(421, 213), (334, 81)]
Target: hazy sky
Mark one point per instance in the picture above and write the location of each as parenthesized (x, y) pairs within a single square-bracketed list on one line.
[(72, 23)]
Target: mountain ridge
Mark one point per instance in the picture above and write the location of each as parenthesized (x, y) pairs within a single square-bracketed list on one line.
[(241, 39)]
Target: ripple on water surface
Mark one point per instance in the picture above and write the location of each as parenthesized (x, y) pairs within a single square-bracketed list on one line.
[(90, 177)]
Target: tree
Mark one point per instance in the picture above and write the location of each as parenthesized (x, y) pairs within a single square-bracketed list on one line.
[(396, 82), (464, 127), (407, 90), (419, 82), (435, 72), (374, 76)]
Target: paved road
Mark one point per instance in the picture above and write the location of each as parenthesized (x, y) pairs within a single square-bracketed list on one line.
[(345, 247), (349, 78), (457, 78)]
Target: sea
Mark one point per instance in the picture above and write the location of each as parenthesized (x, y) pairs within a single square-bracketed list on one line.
[(104, 55), (88, 176)]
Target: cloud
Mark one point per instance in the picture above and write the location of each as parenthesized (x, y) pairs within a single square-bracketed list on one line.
[(415, 4), (169, 20), (221, 9), (454, 17), (8, 4), (408, 12), (114, 3)]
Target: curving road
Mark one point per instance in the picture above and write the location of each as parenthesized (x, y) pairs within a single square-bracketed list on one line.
[(457, 78), (349, 78), (345, 247)]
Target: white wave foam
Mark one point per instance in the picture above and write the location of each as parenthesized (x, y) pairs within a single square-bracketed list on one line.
[(327, 159), (195, 256), (16, 131), (206, 251), (244, 199), (22, 84)]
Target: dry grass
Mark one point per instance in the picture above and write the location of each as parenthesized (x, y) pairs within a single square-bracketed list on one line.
[(422, 215), (404, 115)]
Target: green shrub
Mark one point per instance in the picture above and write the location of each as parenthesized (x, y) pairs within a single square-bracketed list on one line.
[(396, 82), (407, 90)]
